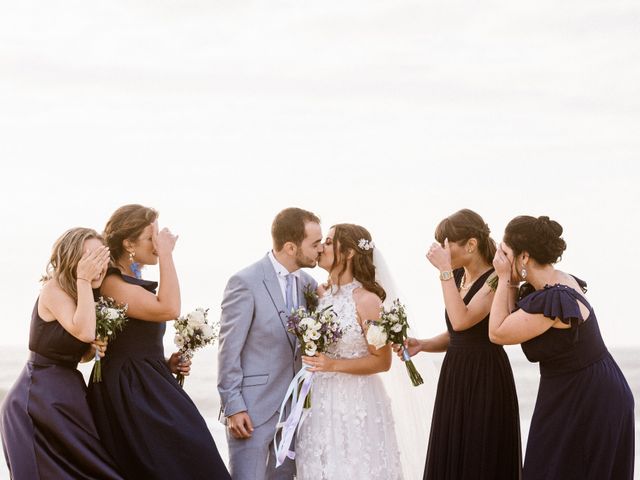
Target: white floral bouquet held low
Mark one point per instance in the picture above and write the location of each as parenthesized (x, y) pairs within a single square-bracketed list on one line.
[(316, 331), (392, 327), (193, 331), (110, 319)]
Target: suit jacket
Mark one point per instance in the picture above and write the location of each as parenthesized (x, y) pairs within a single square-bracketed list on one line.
[(257, 357)]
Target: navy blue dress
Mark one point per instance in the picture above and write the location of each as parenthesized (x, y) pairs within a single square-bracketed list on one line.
[(46, 425), (583, 421), (145, 419), (475, 429)]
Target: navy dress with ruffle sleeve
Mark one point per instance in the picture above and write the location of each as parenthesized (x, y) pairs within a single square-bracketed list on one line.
[(583, 423)]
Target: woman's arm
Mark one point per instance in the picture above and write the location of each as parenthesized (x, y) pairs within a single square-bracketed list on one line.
[(143, 304), (79, 319), (436, 344), (507, 328), (461, 316)]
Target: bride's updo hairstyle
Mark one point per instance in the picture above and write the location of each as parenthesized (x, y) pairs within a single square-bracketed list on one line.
[(349, 237), (126, 223), (539, 237), (463, 225)]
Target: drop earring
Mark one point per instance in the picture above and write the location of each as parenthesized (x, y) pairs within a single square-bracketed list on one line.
[(135, 266), (523, 273)]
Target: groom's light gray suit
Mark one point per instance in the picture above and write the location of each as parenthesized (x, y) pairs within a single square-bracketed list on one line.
[(257, 358)]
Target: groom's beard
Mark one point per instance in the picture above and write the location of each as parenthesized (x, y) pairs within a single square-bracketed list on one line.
[(302, 261)]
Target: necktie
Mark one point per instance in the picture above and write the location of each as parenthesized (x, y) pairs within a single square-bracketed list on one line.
[(289, 293)]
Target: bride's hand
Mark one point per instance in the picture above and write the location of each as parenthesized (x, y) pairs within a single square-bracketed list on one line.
[(319, 363), (439, 256)]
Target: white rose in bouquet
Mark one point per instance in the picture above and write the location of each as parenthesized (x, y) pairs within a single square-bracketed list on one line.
[(310, 349), (313, 334), (396, 327), (112, 313), (376, 336), (207, 331), (307, 322), (196, 318)]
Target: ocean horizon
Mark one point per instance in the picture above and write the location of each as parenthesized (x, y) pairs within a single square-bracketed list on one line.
[(201, 385)]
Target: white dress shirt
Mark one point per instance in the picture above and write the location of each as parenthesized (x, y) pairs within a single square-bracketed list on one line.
[(281, 273)]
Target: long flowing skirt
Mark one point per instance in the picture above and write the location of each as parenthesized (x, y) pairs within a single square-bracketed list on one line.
[(349, 433), (475, 430), (47, 428)]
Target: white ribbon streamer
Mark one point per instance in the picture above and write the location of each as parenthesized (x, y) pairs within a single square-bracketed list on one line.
[(296, 417)]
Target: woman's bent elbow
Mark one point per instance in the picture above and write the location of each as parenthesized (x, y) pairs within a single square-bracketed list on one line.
[(494, 338)]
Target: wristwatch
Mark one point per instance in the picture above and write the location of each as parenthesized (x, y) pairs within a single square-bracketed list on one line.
[(446, 275)]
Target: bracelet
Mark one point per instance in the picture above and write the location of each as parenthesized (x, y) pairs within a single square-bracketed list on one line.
[(446, 275), (86, 280)]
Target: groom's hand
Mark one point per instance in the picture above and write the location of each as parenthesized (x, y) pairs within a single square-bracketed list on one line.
[(240, 425)]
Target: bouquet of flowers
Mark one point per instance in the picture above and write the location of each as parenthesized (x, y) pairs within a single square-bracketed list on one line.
[(392, 327), (110, 319), (316, 330), (193, 331)]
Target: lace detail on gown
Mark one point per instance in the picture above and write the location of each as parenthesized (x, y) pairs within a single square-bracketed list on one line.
[(349, 432)]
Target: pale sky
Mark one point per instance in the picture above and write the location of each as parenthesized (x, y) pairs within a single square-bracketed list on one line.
[(390, 114)]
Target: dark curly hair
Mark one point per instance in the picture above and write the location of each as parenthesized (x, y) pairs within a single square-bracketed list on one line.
[(347, 237), (540, 237), (463, 225)]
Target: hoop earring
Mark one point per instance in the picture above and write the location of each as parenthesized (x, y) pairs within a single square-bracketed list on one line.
[(135, 266)]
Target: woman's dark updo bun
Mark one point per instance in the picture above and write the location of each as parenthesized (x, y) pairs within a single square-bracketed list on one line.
[(540, 237)]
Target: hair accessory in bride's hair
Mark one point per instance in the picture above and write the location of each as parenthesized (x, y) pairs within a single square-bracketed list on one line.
[(365, 244)]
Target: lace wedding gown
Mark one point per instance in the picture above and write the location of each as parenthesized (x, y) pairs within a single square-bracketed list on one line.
[(349, 431)]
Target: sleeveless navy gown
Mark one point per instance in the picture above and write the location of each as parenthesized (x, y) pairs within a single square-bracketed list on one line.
[(475, 428), (46, 425), (145, 419)]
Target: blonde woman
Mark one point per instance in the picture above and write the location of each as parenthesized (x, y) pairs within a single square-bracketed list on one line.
[(46, 425)]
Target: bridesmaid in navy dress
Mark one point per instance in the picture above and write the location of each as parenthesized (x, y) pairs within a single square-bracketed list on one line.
[(46, 425), (144, 417), (583, 422), (475, 430)]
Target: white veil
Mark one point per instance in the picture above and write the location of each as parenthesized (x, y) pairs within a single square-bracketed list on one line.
[(411, 406)]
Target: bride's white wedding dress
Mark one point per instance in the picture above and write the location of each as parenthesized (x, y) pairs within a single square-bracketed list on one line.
[(349, 431)]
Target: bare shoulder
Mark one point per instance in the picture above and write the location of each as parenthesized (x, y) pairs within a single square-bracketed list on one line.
[(51, 299), (114, 283), (367, 303), (112, 279), (568, 280)]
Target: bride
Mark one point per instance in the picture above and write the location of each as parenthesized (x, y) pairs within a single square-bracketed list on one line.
[(349, 431)]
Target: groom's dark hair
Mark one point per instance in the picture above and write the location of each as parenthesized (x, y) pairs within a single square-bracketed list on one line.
[(288, 226)]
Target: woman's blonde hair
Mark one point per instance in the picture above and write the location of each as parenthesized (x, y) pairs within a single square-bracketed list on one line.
[(65, 256)]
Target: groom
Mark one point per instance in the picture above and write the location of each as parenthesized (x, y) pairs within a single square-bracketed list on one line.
[(257, 357)]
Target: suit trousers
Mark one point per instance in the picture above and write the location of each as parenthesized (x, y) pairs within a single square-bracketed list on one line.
[(254, 458)]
